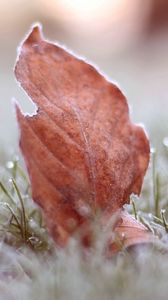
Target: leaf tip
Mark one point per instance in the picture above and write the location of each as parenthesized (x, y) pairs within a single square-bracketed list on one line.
[(35, 35)]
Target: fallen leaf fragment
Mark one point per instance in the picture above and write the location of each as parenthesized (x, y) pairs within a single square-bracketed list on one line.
[(129, 232), (82, 152)]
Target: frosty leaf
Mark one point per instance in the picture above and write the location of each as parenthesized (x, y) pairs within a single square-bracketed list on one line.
[(82, 152), (129, 232)]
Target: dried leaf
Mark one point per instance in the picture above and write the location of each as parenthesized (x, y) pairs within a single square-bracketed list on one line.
[(130, 232), (83, 154)]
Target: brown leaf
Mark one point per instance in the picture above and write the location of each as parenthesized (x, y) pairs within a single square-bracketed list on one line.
[(82, 152), (128, 232)]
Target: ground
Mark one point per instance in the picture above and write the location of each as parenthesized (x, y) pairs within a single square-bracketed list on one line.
[(33, 267)]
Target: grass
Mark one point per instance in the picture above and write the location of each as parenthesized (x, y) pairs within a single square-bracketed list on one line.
[(33, 267), (21, 221), (151, 208)]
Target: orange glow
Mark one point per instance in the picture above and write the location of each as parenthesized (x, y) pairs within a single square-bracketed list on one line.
[(89, 9), (82, 12)]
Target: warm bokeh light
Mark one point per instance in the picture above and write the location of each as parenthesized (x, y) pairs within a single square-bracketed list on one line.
[(89, 10), (105, 20), (96, 13)]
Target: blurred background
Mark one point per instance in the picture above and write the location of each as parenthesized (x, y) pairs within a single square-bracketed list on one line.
[(126, 39)]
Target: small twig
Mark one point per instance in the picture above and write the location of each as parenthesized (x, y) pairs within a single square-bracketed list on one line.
[(155, 180), (146, 224), (7, 194), (23, 214), (162, 212), (134, 209), (14, 216)]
